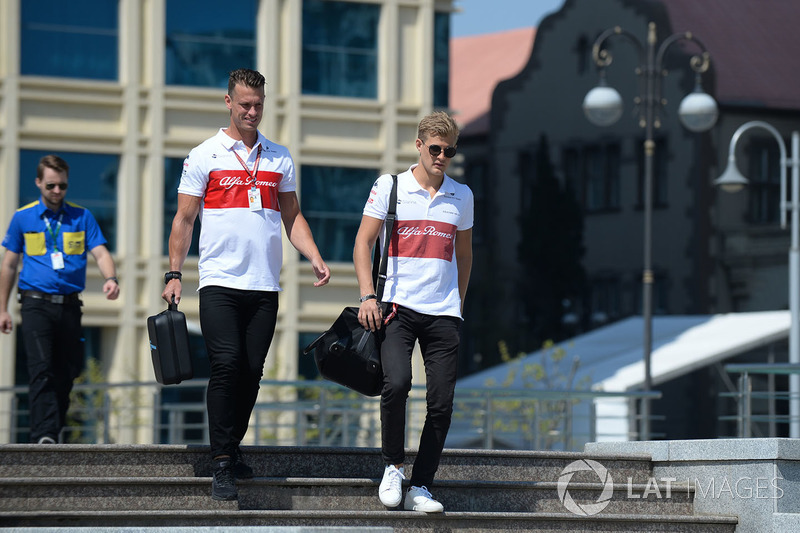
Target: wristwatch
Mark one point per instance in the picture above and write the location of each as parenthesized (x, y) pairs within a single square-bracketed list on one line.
[(172, 274), (368, 297)]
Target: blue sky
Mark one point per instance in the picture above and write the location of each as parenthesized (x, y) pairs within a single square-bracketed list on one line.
[(489, 16)]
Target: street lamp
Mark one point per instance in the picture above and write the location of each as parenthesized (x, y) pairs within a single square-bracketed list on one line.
[(697, 112), (732, 181)]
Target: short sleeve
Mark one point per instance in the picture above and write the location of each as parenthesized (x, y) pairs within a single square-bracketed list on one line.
[(94, 235), (194, 177), (13, 240), (468, 216), (378, 201), (289, 180)]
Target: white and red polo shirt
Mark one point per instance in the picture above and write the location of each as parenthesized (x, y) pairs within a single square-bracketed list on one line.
[(239, 248), (422, 273)]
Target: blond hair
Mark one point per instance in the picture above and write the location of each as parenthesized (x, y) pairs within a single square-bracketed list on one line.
[(437, 124)]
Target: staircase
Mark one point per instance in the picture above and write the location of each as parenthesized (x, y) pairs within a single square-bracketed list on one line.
[(486, 491)]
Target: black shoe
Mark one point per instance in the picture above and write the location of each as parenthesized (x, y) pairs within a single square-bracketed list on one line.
[(223, 486), (241, 469)]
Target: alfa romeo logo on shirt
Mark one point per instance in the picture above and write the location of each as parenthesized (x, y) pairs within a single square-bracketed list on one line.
[(585, 509)]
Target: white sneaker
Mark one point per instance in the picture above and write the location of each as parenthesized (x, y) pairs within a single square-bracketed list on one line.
[(391, 490), (420, 499)]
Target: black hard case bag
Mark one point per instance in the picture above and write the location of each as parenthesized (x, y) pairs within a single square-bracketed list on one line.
[(169, 346)]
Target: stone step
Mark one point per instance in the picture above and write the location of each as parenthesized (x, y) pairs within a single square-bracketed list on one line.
[(162, 493), (326, 490), (394, 521), (86, 460)]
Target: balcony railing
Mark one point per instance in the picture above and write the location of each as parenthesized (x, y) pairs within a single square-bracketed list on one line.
[(758, 411), (318, 413)]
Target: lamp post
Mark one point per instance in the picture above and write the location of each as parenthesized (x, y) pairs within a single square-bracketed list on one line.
[(732, 181), (697, 112)]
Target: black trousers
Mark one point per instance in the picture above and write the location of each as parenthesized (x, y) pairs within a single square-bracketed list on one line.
[(237, 327), (54, 352), (438, 338)]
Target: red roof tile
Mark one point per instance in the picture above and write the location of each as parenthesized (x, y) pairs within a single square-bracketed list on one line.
[(753, 47), (477, 64)]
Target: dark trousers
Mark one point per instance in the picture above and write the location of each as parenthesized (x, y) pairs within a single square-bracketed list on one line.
[(237, 327), (438, 338), (54, 352)]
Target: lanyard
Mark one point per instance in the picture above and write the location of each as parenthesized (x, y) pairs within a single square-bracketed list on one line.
[(254, 174), (50, 230)]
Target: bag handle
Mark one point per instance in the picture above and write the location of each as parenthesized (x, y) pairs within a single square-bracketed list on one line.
[(380, 260)]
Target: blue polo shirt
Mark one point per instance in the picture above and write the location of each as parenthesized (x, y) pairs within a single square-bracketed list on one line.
[(29, 235)]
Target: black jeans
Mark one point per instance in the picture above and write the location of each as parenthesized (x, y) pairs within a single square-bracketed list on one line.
[(237, 327), (54, 353), (438, 338)]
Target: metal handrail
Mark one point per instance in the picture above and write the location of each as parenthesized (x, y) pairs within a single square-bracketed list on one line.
[(318, 412), (745, 395)]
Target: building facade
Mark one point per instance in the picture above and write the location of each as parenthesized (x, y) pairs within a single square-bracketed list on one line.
[(123, 89), (545, 178), (711, 251)]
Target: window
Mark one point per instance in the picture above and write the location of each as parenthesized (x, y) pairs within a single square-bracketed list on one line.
[(441, 60), (340, 48), (92, 184), (660, 293), (206, 40), (76, 39), (173, 167), (605, 299), (333, 199), (593, 173), (764, 174)]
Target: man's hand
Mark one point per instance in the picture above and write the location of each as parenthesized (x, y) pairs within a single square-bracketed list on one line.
[(111, 289), (172, 291), (370, 315), (6, 324), (322, 272)]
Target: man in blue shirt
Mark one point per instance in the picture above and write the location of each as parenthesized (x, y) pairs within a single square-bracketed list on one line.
[(52, 236)]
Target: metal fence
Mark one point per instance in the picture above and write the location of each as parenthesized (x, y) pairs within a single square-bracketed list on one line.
[(318, 413), (762, 408)]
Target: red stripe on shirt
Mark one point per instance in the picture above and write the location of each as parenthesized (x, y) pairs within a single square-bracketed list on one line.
[(228, 189), (423, 238)]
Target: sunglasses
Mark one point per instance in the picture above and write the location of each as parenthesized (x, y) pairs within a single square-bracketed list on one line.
[(51, 186), (435, 150)]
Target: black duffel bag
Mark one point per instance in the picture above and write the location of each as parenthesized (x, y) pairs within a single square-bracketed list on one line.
[(347, 353), (350, 355)]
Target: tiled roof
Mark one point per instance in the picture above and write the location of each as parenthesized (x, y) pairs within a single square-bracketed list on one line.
[(477, 65), (753, 47)]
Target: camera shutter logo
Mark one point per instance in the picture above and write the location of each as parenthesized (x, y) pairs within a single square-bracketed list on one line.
[(585, 509)]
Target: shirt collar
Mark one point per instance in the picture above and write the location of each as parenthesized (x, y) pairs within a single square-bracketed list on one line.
[(230, 143), (447, 183), (42, 209)]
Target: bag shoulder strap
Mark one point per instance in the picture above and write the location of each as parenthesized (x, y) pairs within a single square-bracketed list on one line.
[(380, 260)]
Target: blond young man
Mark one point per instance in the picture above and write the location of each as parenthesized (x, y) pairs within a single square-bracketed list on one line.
[(430, 259)]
